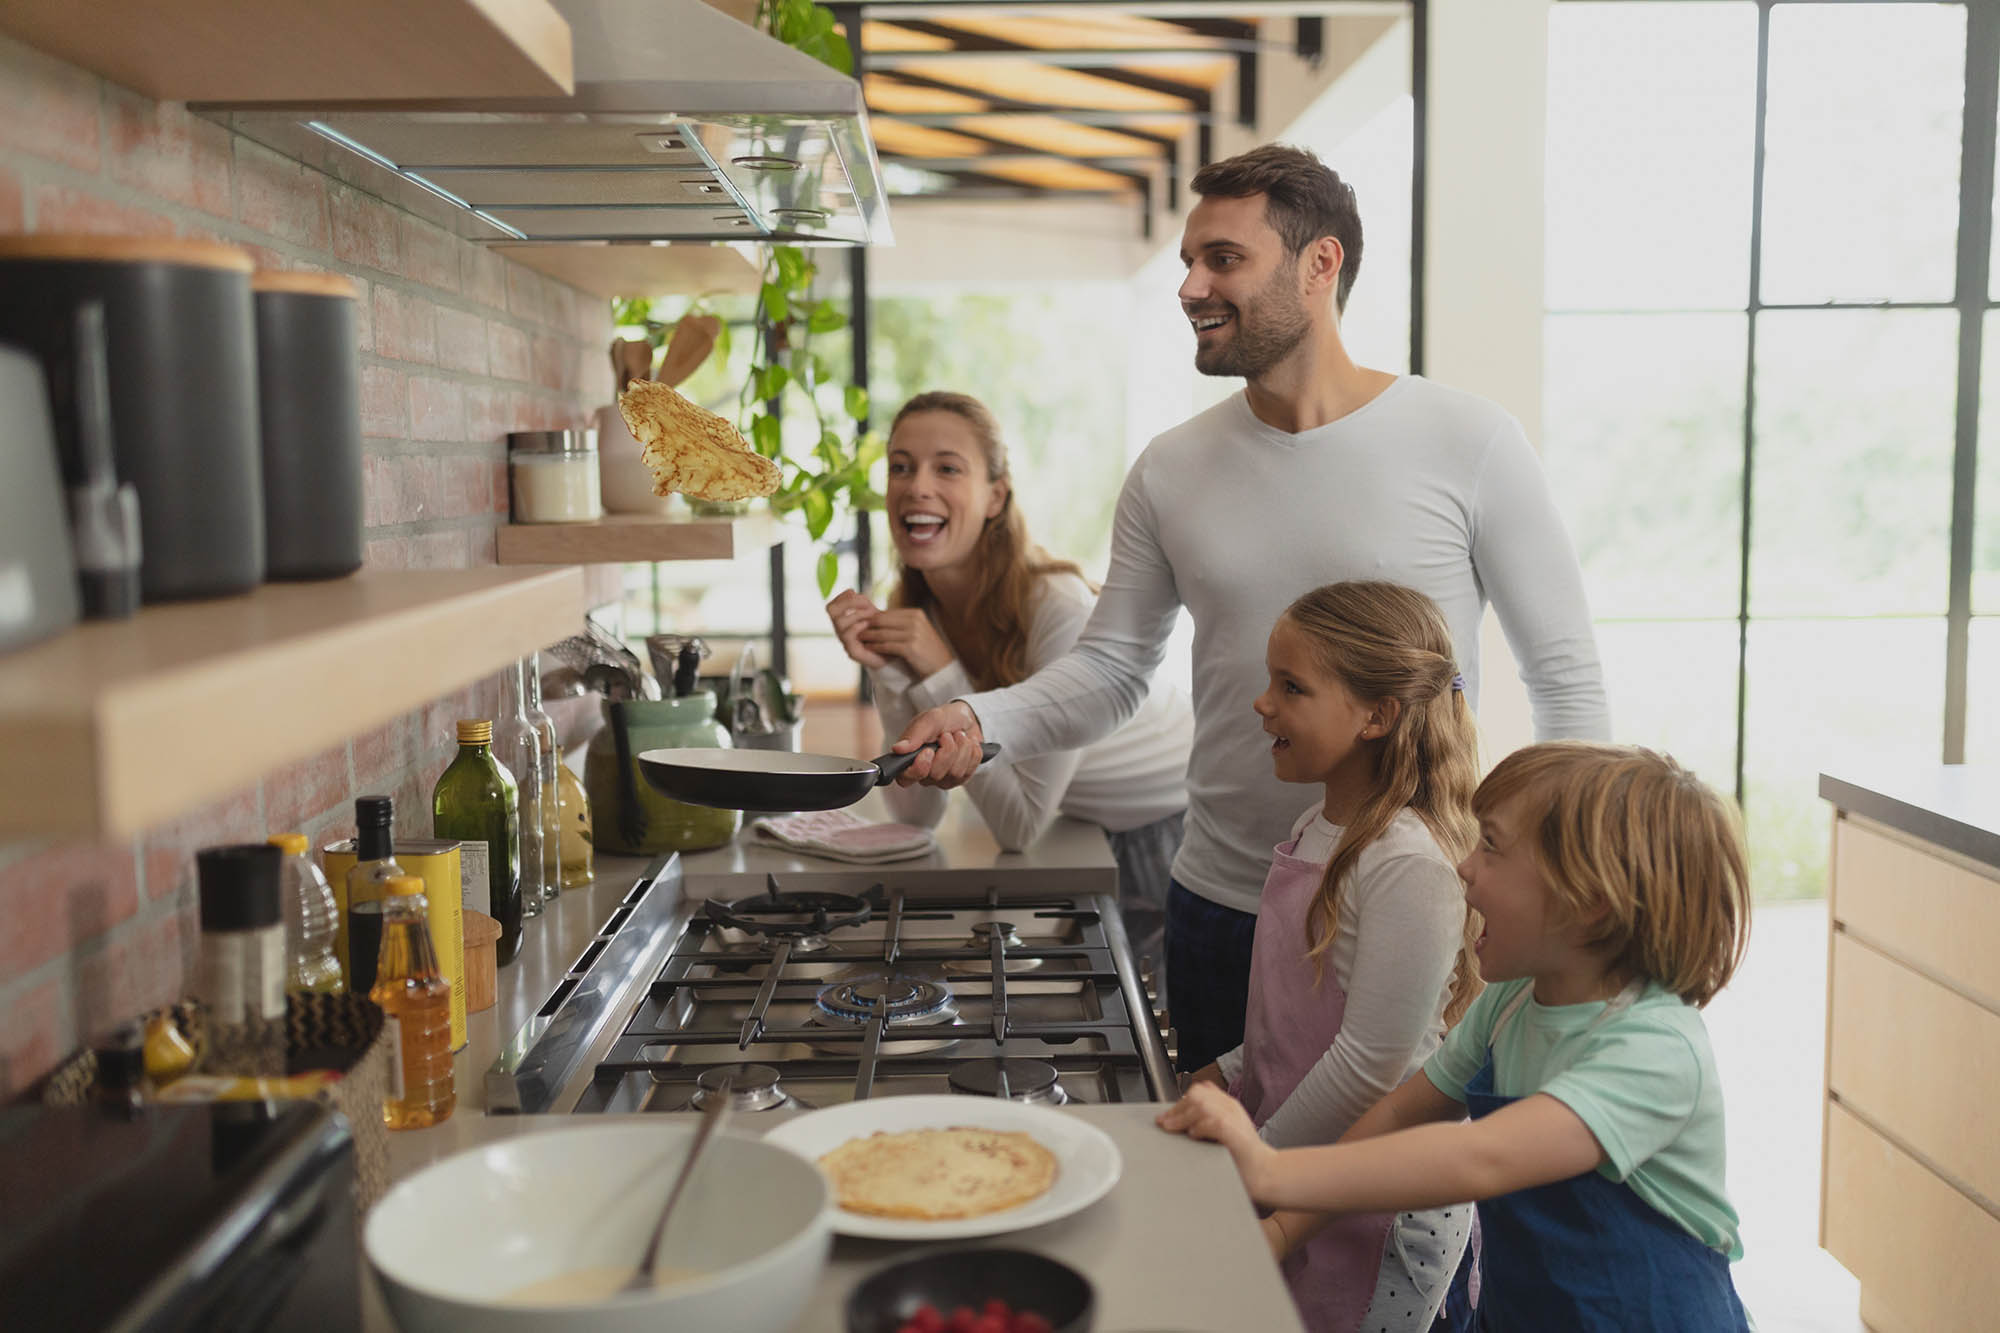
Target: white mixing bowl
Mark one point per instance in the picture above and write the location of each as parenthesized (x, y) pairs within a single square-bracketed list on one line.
[(451, 1241)]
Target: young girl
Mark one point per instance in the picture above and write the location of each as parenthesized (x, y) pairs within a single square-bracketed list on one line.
[(979, 606), (1360, 956), (1615, 900)]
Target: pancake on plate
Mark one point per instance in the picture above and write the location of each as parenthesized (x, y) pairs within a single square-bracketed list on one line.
[(933, 1174), (690, 449)]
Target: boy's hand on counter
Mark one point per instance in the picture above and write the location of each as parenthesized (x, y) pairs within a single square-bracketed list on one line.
[(1207, 1112)]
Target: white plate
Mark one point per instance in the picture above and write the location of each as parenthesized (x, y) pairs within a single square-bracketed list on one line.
[(1087, 1161)]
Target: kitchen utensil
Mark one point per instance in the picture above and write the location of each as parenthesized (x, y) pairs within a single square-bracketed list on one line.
[(774, 781), (1088, 1162), (711, 1120), (181, 338), (748, 716), (688, 346), (104, 515), (37, 576), (631, 359), (309, 418), (1030, 1283), (453, 1240)]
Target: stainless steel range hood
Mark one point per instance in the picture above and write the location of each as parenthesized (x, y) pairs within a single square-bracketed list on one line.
[(686, 125)]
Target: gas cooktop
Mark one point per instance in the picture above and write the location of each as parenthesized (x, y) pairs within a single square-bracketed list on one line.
[(797, 997)]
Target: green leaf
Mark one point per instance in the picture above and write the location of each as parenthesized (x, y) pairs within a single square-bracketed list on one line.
[(822, 369), (773, 297), (819, 513), (771, 381), (860, 496), (794, 270), (829, 570), (838, 54), (856, 401), (722, 343), (869, 449), (767, 435), (825, 317)]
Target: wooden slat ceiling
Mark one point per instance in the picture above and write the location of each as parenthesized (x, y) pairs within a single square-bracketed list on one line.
[(990, 102)]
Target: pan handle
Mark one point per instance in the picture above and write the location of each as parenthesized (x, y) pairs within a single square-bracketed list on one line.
[(892, 765)]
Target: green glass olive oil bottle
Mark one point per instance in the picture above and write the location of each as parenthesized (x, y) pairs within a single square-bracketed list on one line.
[(476, 801)]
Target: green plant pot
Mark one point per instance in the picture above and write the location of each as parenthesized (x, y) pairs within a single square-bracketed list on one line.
[(718, 508)]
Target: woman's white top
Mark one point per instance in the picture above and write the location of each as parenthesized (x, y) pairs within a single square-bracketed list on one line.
[(1132, 777)]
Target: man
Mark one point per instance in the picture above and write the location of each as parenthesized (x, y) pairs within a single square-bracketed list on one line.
[(1320, 470)]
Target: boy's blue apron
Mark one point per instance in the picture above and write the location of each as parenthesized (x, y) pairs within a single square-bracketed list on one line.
[(1587, 1255)]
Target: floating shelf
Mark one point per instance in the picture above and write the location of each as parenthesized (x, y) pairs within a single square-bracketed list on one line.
[(638, 538), (113, 727), (308, 50)]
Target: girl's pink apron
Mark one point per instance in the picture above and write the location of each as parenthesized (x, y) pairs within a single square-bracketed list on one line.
[(1288, 1026)]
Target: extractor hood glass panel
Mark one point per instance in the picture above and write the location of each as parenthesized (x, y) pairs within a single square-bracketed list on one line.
[(461, 139), (665, 186), (623, 224)]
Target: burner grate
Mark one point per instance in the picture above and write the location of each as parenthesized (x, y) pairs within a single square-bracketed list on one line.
[(789, 914), (1017, 1080)]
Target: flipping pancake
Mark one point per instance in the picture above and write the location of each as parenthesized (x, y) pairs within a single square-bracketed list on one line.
[(934, 1174), (690, 449)]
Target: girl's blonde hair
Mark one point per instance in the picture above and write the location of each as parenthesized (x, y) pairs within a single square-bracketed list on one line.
[(1629, 835), (992, 639), (1384, 641)]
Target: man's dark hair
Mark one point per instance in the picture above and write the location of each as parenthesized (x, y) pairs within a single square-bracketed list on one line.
[(1304, 199)]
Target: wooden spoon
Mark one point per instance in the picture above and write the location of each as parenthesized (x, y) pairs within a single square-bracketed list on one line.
[(692, 340)]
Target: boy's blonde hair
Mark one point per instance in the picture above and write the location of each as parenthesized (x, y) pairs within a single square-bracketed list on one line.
[(1621, 831), (1385, 641)]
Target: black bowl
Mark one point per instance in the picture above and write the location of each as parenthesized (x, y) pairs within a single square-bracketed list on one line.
[(1028, 1282)]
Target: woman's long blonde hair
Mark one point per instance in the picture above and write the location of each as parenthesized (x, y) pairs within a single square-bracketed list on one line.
[(992, 631), (1384, 641)]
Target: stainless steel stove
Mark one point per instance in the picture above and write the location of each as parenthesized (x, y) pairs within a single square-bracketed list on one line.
[(798, 997)]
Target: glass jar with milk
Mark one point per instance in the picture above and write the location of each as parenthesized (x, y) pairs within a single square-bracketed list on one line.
[(553, 476)]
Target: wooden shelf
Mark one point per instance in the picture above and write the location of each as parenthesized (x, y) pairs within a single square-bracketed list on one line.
[(113, 727), (639, 538), (308, 50), (612, 271)]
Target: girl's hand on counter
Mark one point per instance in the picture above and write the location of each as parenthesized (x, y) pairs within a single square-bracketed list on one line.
[(908, 633), (851, 614), (1207, 1112)]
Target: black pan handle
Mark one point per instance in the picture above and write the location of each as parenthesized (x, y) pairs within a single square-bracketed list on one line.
[(892, 765)]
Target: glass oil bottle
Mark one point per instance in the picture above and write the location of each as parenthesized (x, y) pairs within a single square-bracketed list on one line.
[(415, 1000)]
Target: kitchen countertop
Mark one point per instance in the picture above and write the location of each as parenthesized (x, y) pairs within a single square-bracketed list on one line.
[(1174, 1246), (1955, 806)]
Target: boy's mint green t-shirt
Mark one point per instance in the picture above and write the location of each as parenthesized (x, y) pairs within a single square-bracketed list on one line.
[(1643, 1081)]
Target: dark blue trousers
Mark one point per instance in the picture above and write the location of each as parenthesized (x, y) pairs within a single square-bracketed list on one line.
[(1208, 975)]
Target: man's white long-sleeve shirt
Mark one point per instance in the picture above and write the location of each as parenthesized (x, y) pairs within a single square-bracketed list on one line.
[(1423, 485)]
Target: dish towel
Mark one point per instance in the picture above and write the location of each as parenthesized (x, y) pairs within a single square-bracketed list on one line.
[(845, 837)]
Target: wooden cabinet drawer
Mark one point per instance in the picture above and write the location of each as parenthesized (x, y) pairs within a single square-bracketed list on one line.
[(1939, 915), (1924, 1253), (1920, 1061)]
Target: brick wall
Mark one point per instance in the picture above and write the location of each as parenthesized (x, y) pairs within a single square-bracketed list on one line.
[(457, 347)]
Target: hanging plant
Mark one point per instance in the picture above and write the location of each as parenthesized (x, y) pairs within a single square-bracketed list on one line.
[(833, 477), (805, 26)]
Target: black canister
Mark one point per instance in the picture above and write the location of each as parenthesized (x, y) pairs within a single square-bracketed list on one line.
[(182, 348), (309, 413)]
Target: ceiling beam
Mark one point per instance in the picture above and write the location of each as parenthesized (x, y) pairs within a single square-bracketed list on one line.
[(895, 11), (1197, 98), (979, 45), (1092, 58)]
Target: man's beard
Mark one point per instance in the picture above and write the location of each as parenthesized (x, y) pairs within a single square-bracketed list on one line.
[(1267, 331)]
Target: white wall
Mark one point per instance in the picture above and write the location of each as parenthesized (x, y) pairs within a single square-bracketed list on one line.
[(1483, 248)]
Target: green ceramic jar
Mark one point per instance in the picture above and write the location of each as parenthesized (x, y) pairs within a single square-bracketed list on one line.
[(628, 815)]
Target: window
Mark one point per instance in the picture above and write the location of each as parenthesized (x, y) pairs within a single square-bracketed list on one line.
[(1763, 275)]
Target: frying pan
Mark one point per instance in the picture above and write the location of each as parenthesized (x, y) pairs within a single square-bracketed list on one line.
[(774, 781)]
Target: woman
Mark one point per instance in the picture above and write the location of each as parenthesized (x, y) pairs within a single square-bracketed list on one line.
[(979, 606)]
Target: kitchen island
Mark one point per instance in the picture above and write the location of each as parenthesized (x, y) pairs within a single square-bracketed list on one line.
[(1911, 1168), (1174, 1246)]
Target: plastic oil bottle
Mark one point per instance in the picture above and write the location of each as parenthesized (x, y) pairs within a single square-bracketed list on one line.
[(312, 922), (415, 1000)]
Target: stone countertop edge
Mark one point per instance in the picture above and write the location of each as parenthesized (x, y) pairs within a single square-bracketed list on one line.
[(1953, 806), (1174, 1246)]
